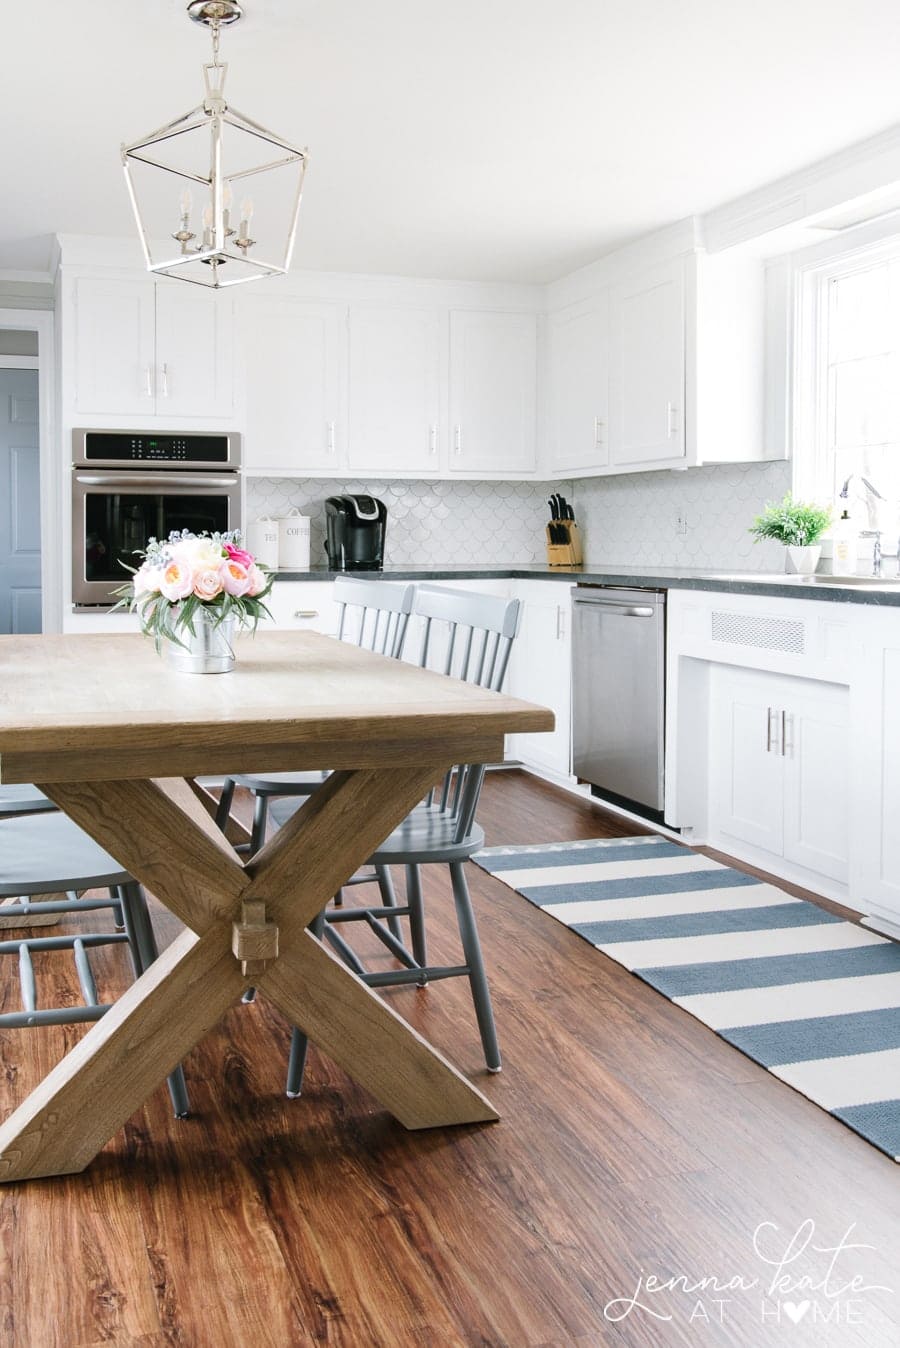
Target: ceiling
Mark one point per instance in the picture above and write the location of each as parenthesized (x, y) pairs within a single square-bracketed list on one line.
[(485, 139)]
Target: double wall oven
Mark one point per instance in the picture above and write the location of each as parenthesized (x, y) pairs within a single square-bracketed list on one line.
[(130, 486)]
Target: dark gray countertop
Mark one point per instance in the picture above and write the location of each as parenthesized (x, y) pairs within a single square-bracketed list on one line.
[(652, 578)]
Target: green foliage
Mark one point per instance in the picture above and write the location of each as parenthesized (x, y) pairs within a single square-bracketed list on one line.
[(797, 524)]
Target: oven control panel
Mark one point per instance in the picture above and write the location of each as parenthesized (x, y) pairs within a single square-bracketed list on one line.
[(182, 449)]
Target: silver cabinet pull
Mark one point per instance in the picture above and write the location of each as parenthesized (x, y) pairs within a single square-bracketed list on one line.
[(769, 714), (165, 381), (432, 439), (671, 413), (457, 439), (787, 724), (306, 613), (148, 381), (330, 438), (598, 432)]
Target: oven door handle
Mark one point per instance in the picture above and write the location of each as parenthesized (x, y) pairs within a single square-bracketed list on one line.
[(122, 481)]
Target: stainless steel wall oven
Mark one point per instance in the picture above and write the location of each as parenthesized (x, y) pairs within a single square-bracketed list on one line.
[(129, 487)]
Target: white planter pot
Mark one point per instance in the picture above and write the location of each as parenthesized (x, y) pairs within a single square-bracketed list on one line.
[(803, 561)]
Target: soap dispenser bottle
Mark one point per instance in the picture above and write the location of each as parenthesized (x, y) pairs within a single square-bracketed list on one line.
[(846, 536)]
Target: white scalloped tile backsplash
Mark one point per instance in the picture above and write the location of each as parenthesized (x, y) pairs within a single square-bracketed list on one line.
[(630, 520)]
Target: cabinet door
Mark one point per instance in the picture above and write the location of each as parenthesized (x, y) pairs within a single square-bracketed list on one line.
[(114, 347), (579, 387), (395, 367), (876, 796), (746, 767), (541, 671), (816, 750), (647, 367), (292, 362), (493, 364), (194, 365)]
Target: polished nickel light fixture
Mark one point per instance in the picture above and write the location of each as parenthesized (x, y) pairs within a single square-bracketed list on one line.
[(214, 151)]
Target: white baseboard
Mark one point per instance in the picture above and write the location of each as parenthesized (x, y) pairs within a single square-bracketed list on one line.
[(883, 926)]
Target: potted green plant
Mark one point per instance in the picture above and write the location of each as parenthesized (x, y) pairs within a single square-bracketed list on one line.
[(798, 525)]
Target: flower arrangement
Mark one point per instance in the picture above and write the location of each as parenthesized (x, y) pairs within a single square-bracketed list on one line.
[(796, 524), (195, 575)]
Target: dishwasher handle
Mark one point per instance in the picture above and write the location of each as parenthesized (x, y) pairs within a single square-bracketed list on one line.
[(621, 610)]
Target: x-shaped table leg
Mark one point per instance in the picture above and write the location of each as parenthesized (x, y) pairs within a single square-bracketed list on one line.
[(162, 834)]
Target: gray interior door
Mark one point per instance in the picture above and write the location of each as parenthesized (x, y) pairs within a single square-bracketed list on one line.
[(20, 503)]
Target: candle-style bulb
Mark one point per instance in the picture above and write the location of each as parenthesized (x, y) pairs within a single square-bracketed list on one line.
[(187, 203), (227, 196), (247, 209), (207, 217)]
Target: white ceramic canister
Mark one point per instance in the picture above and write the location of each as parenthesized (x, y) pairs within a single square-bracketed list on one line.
[(262, 540), (293, 542)]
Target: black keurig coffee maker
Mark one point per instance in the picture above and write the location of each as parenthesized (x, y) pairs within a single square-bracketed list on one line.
[(355, 527)]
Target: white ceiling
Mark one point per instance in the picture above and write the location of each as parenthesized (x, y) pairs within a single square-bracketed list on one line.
[(483, 139)]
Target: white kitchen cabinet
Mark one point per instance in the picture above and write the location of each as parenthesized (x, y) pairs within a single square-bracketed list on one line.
[(541, 671), (876, 785), (493, 381), (294, 363), (146, 348), (578, 413), (779, 768), (395, 390), (647, 368), (304, 605)]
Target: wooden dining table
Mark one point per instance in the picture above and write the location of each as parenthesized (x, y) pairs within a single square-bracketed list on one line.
[(116, 739)]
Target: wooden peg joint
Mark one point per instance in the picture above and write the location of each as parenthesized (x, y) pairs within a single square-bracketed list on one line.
[(254, 941)]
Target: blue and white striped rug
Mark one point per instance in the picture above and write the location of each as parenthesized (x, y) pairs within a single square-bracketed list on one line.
[(811, 997)]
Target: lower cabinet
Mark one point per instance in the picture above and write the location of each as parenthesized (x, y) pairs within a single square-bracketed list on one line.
[(876, 784), (541, 671), (779, 768)]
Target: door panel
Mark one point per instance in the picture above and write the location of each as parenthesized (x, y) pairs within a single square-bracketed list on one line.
[(579, 383), (20, 503), (647, 367), (394, 390), (746, 774), (817, 776), (493, 375)]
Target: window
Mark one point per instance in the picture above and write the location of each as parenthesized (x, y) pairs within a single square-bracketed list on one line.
[(849, 410)]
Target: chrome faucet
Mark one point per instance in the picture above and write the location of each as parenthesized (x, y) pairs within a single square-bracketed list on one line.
[(867, 533)]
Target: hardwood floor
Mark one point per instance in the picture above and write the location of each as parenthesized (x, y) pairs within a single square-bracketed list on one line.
[(633, 1143)]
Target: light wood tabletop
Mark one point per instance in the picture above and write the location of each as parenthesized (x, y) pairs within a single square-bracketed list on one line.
[(114, 737)]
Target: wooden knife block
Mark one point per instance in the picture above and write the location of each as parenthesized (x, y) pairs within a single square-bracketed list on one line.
[(564, 554)]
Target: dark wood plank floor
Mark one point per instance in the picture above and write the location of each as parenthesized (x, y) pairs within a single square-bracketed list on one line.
[(633, 1142)]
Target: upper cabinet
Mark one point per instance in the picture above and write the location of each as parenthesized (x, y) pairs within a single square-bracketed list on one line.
[(293, 361), (395, 390), (493, 381), (152, 348), (578, 411), (647, 368)]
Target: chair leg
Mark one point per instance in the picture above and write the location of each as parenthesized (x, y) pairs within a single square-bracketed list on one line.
[(471, 944), (417, 918), (299, 1041), (144, 950), (223, 809), (389, 899), (260, 819)]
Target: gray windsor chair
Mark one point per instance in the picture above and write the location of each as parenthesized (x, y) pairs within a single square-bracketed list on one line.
[(374, 614), (42, 851), (467, 636)]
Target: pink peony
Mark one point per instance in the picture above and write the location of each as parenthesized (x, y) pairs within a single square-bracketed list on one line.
[(176, 582), (235, 577), (207, 583), (146, 580), (241, 555), (258, 581)]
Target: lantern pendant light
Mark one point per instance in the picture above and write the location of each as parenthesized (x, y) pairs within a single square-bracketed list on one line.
[(194, 233)]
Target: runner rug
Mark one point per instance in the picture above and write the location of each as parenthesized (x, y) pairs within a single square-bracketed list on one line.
[(811, 997)]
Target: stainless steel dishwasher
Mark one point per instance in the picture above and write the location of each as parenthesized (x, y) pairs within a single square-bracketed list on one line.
[(618, 694)]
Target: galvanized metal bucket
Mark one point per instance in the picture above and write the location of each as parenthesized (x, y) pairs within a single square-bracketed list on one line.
[(208, 650)]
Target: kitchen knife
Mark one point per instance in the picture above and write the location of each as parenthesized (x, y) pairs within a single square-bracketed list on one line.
[(554, 508), (570, 513)]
